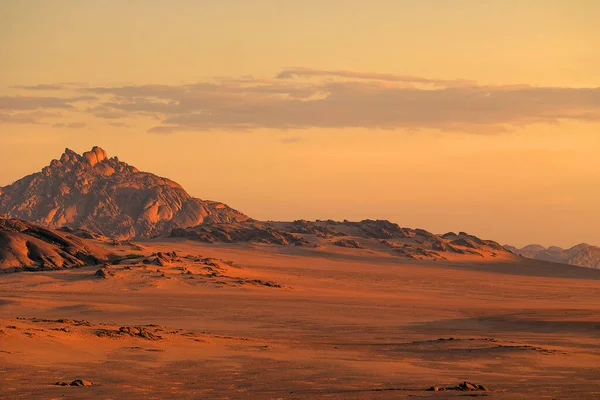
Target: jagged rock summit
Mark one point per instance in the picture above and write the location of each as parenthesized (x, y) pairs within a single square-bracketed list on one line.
[(107, 196)]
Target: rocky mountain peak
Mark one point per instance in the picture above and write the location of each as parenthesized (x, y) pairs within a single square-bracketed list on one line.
[(95, 162), (107, 196), (95, 156)]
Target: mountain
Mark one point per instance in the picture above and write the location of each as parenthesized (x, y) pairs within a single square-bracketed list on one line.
[(583, 255), (108, 197), (26, 246)]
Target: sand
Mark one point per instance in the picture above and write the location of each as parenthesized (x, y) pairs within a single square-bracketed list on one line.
[(285, 322)]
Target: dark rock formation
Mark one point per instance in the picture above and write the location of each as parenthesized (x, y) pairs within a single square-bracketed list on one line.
[(463, 387), (350, 243), (313, 228), (76, 382), (26, 246), (249, 231)]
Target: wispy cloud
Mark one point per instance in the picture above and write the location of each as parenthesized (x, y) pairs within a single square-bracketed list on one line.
[(70, 125), (104, 112), (28, 117), (35, 102), (299, 72), (307, 98), (119, 125), (291, 140), (48, 87)]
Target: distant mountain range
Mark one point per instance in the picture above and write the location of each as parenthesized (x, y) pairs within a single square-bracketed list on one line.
[(583, 255), (108, 197)]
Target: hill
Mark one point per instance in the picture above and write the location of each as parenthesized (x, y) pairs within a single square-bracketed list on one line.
[(26, 246), (583, 255), (109, 197)]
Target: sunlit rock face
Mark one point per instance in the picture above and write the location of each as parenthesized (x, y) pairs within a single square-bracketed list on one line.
[(109, 197), (27, 246)]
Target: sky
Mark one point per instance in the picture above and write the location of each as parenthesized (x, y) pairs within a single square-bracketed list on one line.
[(466, 115)]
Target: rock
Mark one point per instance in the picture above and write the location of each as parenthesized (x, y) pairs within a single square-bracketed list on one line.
[(76, 382), (464, 243), (467, 386), (104, 273), (464, 386), (313, 228), (87, 192), (81, 382), (247, 231), (382, 229), (33, 248), (264, 283), (350, 243), (137, 331)]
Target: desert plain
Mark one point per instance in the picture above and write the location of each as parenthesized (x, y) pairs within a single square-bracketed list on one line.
[(261, 321)]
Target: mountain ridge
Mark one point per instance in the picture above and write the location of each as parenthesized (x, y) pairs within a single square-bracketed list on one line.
[(583, 254), (370, 235)]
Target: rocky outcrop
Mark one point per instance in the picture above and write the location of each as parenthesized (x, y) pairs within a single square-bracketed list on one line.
[(109, 197), (248, 231), (350, 243), (313, 228), (380, 229), (26, 246), (415, 244), (76, 382), (418, 253), (582, 255), (464, 386)]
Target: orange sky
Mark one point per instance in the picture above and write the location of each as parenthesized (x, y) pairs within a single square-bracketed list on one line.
[(482, 118)]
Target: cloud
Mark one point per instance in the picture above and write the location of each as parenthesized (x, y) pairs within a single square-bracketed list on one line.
[(291, 140), (378, 105), (308, 72), (28, 117), (119, 125), (43, 87), (52, 87), (70, 125), (103, 112), (34, 102), (302, 98)]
